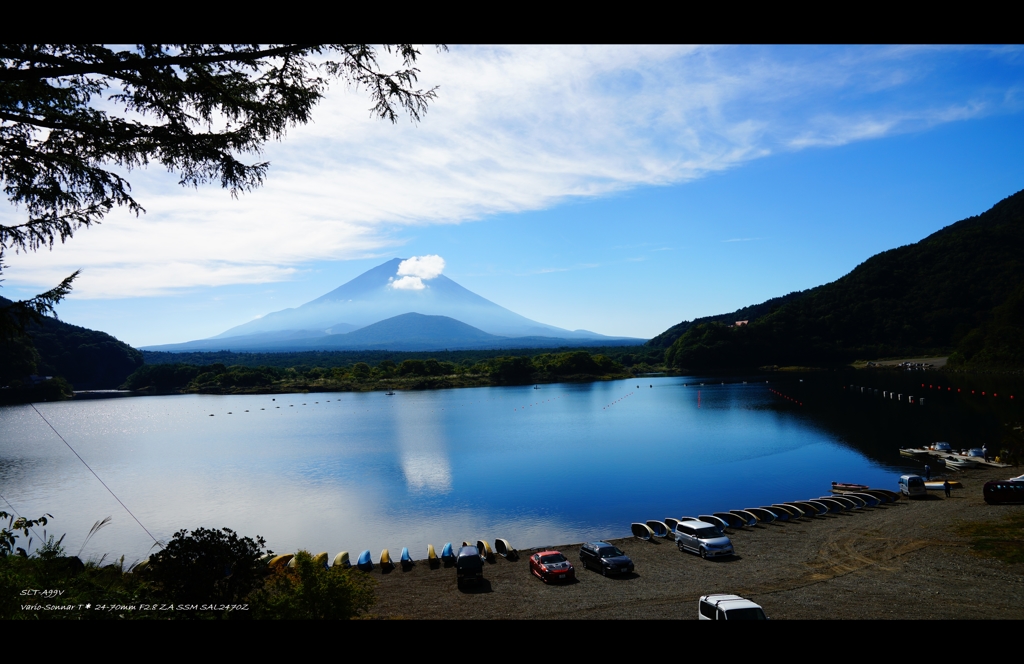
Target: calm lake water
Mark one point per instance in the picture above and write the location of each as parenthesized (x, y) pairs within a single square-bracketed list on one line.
[(347, 471)]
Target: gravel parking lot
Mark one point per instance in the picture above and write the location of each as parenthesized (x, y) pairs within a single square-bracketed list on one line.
[(898, 561)]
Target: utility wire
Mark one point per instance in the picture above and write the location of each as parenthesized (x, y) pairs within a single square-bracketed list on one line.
[(155, 540), (21, 517)]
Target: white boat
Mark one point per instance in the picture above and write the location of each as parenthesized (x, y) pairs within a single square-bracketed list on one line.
[(960, 464)]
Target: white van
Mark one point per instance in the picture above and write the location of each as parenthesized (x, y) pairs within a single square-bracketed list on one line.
[(728, 607), (912, 486)]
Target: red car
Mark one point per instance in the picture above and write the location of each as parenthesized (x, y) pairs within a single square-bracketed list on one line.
[(551, 566)]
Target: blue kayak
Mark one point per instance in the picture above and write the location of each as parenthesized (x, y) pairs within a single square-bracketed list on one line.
[(365, 563), (447, 553), (406, 559)]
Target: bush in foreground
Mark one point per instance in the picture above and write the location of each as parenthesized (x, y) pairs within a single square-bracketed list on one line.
[(312, 591)]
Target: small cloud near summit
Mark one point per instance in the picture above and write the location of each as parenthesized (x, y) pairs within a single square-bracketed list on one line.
[(414, 270)]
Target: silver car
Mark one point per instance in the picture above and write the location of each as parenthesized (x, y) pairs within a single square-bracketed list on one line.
[(702, 538)]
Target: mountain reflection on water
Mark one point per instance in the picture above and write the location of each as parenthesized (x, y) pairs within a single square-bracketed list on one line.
[(354, 471)]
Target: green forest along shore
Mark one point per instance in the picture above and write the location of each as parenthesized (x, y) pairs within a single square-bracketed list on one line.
[(337, 372)]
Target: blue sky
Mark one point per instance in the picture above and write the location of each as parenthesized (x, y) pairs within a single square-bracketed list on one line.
[(615, 189)]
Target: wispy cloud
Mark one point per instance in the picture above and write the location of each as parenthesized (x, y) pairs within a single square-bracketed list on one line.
[(513, 129), (549, 270)]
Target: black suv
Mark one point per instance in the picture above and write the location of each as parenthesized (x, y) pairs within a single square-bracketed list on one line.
[(469, 566), (605, 557)]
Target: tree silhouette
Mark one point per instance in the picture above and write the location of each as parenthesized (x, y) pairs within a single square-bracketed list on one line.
[(69, 113)]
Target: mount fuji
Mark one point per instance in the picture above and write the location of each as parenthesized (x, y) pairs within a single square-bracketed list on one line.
[(381, 294)]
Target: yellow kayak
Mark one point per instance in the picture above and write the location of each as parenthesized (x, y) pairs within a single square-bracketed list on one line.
[(385, 557), (342, 559), (431, 554), (321, 558)]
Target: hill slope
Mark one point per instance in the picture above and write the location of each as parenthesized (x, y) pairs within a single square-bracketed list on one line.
[(88, 359), (921, 298)]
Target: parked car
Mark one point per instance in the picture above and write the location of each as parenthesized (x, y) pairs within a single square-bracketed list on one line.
[(702, 538), (605, 558), (728, 607), (1004, 491), (469, 566), (551, 566), (912, 486)]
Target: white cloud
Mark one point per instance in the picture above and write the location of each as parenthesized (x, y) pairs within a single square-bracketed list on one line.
[(424, 267), (408, 283), (513, 129), (414, 270)]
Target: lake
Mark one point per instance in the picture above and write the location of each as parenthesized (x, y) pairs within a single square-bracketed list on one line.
[(352, 471)]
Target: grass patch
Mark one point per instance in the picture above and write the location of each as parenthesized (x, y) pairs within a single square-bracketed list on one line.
[(1002, 540)]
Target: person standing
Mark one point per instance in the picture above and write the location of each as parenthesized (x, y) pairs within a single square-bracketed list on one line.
[(927, 472), (946, 487)]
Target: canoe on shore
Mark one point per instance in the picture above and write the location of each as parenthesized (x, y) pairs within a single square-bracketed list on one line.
[(780, 515), (763, 515), (832, 506), (485, 550), (731, 519), (793, 512), (405, 558), (342, 560), (364, 562), (869, 500), (447, 553), (504, 549), (642, 531), (937, 485), (857, 501), (805, 509), (280, 561), (714, 521), (842, 500), (659, 528), (818, 507), (748, 518)]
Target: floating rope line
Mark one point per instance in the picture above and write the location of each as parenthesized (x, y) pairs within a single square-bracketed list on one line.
[(155, 540)]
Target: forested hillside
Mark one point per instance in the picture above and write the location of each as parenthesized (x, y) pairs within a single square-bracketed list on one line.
[(88, 359), (928, 297)]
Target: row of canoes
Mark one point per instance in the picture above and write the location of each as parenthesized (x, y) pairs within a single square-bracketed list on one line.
[(365, 561), (780, 512)]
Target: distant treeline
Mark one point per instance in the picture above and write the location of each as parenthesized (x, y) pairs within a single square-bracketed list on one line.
[(627, 356), (338, 373)]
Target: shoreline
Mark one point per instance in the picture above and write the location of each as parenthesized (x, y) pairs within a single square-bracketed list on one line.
[(438, 383), (903, 560)]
